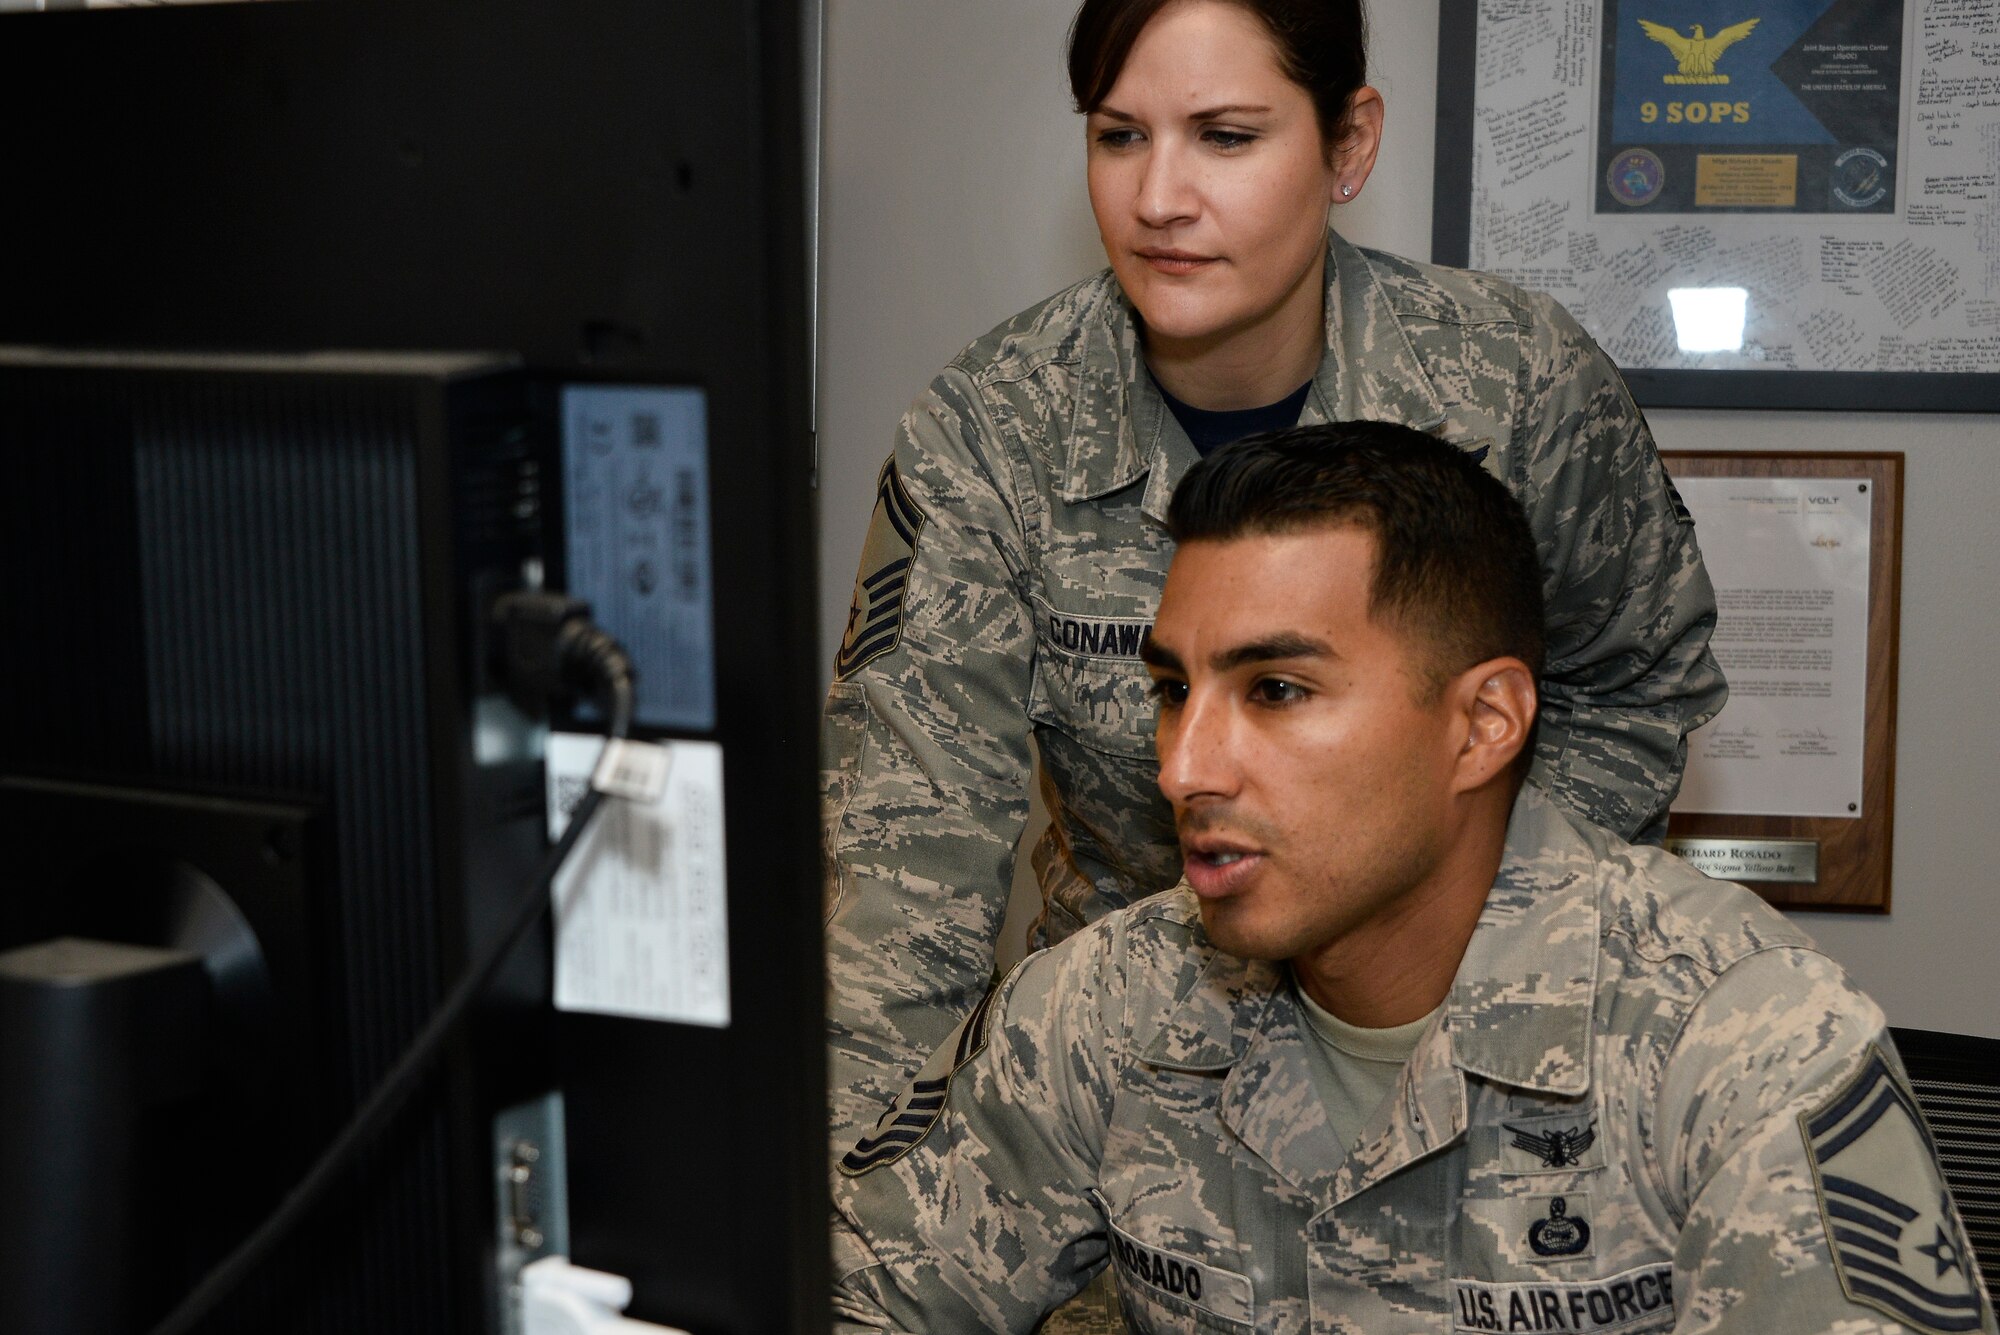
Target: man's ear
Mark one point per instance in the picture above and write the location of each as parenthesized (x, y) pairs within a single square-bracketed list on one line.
[(1496, 702)]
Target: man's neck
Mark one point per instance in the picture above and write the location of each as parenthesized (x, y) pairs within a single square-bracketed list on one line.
[(1399, 967)]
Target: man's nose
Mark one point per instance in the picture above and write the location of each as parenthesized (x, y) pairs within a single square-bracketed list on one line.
[(1197, 747)]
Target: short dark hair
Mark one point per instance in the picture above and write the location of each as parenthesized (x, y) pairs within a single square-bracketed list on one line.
[(1322, 47), (1456, 564)]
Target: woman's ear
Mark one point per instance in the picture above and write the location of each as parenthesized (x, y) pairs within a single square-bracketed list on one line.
[(1496, 704), (1361, 138)]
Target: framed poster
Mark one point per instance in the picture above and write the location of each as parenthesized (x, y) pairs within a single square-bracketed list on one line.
[(1791, 788), (1748, 203)]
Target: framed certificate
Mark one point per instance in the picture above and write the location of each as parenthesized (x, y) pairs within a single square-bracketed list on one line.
[(1748, 203), (1791, 788)]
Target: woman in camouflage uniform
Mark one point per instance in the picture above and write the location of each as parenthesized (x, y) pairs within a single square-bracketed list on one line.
[(1017, 550)]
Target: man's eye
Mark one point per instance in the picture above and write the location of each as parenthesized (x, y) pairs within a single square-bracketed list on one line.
[(1272, 691), (1169, 693)]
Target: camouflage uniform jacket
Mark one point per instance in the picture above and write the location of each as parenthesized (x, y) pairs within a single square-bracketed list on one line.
[(1647, 1104), (1016, 557)]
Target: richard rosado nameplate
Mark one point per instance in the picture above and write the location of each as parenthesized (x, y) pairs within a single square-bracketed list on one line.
[(1778, 861)]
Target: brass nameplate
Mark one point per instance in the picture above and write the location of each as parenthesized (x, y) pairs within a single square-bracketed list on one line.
[(1784, 861), (1746, 181)]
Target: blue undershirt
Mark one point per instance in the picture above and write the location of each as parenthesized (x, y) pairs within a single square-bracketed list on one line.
[(1209, 429)]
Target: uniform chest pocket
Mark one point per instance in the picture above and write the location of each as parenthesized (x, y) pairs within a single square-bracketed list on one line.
[(1164, 1291), (1089, 682)]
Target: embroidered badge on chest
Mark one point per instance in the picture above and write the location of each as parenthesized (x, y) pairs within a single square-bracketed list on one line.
[(1895, 1239), (875, 616), (1555, 1145), (1562, 1233), (1538, 1143)]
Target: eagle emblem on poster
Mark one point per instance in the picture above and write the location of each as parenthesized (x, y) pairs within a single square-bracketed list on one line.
[(1697, 52)]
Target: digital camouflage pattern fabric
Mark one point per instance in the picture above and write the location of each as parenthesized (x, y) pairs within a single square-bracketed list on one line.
[(1636, 1112), (1026, 494)]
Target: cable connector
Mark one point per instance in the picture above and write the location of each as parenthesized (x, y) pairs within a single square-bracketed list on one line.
[(558, 1298), (548, 646)]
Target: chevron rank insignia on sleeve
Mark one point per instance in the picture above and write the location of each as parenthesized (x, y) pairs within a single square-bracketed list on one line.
[(1895, 1237), (915, 1111), (875, 617)]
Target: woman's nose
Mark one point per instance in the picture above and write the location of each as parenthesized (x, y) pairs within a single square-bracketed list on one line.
[(1166, 189)]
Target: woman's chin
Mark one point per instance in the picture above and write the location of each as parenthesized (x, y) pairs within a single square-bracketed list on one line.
[(1171, 319)]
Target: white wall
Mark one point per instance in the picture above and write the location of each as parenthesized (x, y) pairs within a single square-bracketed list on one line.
[(954, 197)]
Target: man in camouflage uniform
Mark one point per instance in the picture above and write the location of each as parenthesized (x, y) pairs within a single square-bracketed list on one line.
[(1643, 1100), (1015, 561)]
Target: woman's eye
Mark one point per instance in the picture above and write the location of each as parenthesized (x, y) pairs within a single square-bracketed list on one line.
[(1271, 691), (1227, 139), (1118, 137)]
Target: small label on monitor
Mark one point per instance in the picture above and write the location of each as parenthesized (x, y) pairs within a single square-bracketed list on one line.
[(642, 907), (635, 504), (635, 771)]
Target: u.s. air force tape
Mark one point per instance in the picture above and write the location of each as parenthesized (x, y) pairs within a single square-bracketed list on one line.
[(1584, 1307), (875, 617), (915, 1111)]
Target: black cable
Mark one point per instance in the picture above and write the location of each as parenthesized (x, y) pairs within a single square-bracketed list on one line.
[(590, 655)]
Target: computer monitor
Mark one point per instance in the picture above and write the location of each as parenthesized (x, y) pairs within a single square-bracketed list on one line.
[(604, 197)]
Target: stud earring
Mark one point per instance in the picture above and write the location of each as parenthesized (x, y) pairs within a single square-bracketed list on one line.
[(1347, 192)]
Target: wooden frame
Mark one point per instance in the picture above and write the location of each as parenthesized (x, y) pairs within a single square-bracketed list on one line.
[(1854, 858)]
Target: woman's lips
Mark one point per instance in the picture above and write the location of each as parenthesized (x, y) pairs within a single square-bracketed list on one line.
[(1219, 873), (1175, 261)]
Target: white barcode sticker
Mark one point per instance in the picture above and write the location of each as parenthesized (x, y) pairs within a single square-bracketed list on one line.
[(635, 771), (641, 907)]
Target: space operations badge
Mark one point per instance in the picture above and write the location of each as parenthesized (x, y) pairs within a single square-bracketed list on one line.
[(875, 617), (1895, 1238), (913, 1114)]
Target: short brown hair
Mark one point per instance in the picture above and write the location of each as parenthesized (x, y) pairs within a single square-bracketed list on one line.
[(1322, 47), (1456, 564)]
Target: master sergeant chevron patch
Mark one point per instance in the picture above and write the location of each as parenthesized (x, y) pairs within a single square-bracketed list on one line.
[(875, 617), (1896, 1239), (913, 1114)]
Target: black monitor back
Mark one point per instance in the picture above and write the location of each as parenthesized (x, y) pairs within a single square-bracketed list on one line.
[(606, 191), (245, 623)]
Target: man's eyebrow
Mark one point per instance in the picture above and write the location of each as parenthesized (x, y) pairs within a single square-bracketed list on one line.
[(1153, 654), (1285, 644)]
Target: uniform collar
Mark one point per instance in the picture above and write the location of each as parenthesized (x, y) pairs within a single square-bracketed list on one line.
[(1242, 1023), (1520, 1007), (1121, 429), (1211, 1027), (1519, 1012)]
